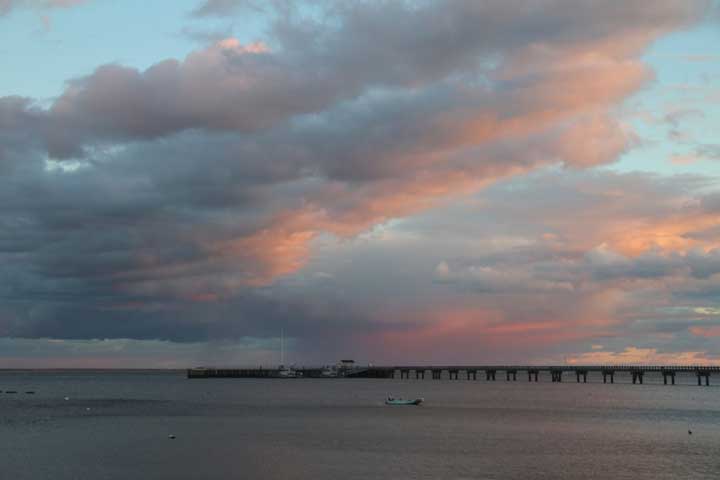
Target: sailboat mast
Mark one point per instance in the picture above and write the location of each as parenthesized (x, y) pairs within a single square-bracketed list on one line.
[(282, 347)]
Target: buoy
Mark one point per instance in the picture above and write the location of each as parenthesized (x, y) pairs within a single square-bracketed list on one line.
[(689, 432), (171, 437)]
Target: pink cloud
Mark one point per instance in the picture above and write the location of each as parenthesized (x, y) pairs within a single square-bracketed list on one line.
[(208, 177), (642, 356), (708, 332)]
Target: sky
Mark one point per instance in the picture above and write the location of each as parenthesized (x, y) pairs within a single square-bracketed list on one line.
[(406, 181)]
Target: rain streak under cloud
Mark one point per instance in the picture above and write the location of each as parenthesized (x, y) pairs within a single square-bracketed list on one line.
[(387, 181)]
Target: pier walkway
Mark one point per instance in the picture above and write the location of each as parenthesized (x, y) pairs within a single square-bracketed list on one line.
[(470, 372)]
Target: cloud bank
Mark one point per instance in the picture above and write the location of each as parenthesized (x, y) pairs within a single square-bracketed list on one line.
[(188, 201)]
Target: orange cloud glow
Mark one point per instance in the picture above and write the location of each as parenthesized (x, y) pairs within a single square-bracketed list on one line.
[(706, 331), (642, 356)]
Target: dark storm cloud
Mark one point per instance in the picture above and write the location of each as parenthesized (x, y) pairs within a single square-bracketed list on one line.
[(190, 321), (184, 190)]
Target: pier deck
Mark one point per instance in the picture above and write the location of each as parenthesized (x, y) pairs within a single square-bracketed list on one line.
[(452, 372)]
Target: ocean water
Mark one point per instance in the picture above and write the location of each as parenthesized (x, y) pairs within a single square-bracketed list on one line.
[(116, 425)]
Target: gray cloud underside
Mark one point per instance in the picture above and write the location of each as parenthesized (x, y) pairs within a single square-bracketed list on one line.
[(521, 273), (168, 178)]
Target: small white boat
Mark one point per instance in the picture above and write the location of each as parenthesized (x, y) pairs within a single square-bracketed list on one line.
[(287, 372)]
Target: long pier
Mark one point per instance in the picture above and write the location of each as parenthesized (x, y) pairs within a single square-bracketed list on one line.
[(470, 372)]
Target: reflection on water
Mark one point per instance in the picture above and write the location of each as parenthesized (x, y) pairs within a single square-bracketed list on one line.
[(117, 426)]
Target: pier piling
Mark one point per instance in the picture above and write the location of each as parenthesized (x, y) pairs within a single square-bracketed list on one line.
[(700, 374), (637, 376)]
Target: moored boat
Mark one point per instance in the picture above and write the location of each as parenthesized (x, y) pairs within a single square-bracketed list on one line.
[(288, 372)]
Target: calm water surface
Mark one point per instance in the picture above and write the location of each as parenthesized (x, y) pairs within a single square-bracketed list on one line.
[(115, 425)]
